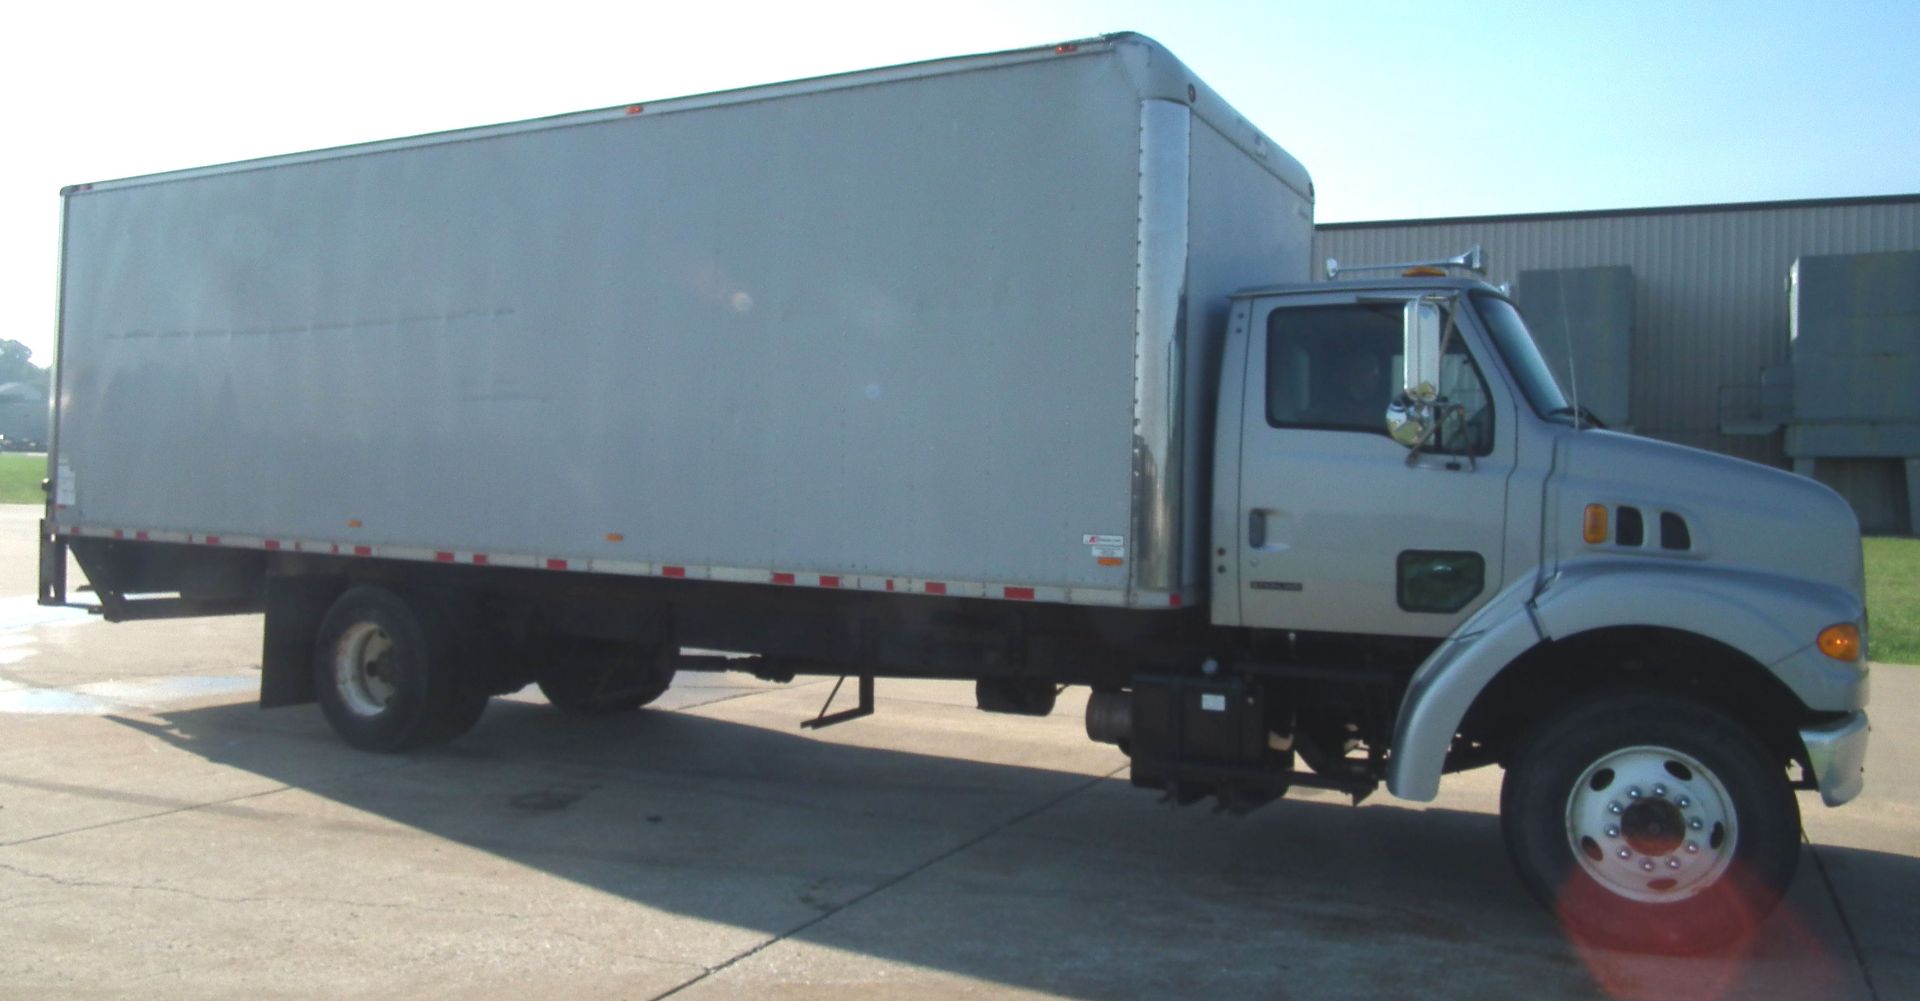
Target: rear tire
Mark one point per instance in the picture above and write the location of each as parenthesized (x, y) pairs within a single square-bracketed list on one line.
[(1651, 823), (385, 675), (605, 686)]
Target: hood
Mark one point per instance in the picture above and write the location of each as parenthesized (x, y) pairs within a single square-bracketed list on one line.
[(1729, 511)]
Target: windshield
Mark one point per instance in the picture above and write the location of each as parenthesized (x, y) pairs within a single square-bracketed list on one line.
[(1523, 359)]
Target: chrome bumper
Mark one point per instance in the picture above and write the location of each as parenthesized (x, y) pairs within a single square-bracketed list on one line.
[(1838, 753)]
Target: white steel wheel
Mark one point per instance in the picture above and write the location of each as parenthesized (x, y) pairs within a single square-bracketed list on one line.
[(362, 671), (1652, 824)]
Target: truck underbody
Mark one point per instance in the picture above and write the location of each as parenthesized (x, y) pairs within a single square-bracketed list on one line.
[(1324, 700)]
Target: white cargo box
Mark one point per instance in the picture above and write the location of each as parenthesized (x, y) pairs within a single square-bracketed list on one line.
[(943, 328)]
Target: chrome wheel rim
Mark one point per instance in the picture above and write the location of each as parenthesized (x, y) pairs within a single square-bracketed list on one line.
[(1652, 824), (362, 669)]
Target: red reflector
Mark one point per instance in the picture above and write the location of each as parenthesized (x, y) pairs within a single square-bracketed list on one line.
[(1066, 49), (479, 559), (443, 557), (118, 534), (556, 564), (829, 582), (142, 536), (783, 578), (674, 571), (273, 543), (634, 109), (212, 540), (1173, 600), (75, 530), (889, 585), (935, 587), (363, 550), (1020, 593)]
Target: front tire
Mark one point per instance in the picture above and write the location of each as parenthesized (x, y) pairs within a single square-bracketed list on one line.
[(1651, 823)]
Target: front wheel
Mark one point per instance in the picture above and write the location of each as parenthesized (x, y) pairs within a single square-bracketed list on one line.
[(1652, 823)]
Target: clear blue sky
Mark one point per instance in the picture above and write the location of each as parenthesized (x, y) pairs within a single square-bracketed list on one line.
[(1398, 110)]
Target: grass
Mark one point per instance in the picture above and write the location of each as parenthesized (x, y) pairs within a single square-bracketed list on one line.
[(1893, 599), (20, 477)]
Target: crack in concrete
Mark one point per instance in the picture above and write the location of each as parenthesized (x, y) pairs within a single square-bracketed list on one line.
[(145, 816), (1846, 923), (889, 884)]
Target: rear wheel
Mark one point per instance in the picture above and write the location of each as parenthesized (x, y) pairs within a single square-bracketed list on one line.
[(385, 674), (1650, 822)]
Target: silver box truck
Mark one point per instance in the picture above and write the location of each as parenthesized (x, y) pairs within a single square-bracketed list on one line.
[(1002, 368)]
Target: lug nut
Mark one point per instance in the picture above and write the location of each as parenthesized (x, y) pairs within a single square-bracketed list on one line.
[(1613, 808), (1633, 793), (1659, 790), (1623, 853), (1692, 849), (1673, 863), (1613, 832), (1683, 802), (1646, 864), (1695, 823)]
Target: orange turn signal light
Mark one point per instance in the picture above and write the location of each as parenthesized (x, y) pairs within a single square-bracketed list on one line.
[(1841, 642), (1593, 526)]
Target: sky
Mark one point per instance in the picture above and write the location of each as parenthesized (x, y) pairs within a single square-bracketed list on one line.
[(1398, 110)]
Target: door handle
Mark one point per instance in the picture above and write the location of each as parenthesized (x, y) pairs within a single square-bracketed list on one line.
[(1256, 529)]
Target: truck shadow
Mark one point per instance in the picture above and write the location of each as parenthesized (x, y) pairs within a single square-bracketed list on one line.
[(1063, 882)]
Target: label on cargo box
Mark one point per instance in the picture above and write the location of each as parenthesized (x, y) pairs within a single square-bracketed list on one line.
[(1109, 552), (1119, 541), (1213, 702), (64, 491)]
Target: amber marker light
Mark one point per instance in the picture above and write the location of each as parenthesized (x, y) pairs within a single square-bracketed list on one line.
[(1841, 642), (1593, 526)]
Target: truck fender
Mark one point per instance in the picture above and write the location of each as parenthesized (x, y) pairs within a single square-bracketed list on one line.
[(1770, 618), (1446, 683)]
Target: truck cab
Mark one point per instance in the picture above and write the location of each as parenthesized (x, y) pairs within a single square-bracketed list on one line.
[(1648, 637)]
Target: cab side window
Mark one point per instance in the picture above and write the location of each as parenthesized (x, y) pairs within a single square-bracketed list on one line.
[(1466, 416), (1330, 367), (1337, 368)]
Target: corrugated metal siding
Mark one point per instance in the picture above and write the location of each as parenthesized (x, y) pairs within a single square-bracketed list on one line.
[(1712, 304)]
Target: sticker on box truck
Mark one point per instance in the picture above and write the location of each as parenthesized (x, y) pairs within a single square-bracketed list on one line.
[(1104, 540), (64, 490), (1110, 552)]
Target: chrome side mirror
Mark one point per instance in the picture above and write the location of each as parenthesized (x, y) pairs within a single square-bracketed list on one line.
[(1411, 417)]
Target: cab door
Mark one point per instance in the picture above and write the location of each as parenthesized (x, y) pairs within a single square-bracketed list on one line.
[(1338, 530)]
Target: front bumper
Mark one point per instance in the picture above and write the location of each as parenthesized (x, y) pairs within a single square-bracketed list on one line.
[(1838, 753)]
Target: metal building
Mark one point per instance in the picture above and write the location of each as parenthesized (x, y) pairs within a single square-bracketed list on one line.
[(1678, 321)]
